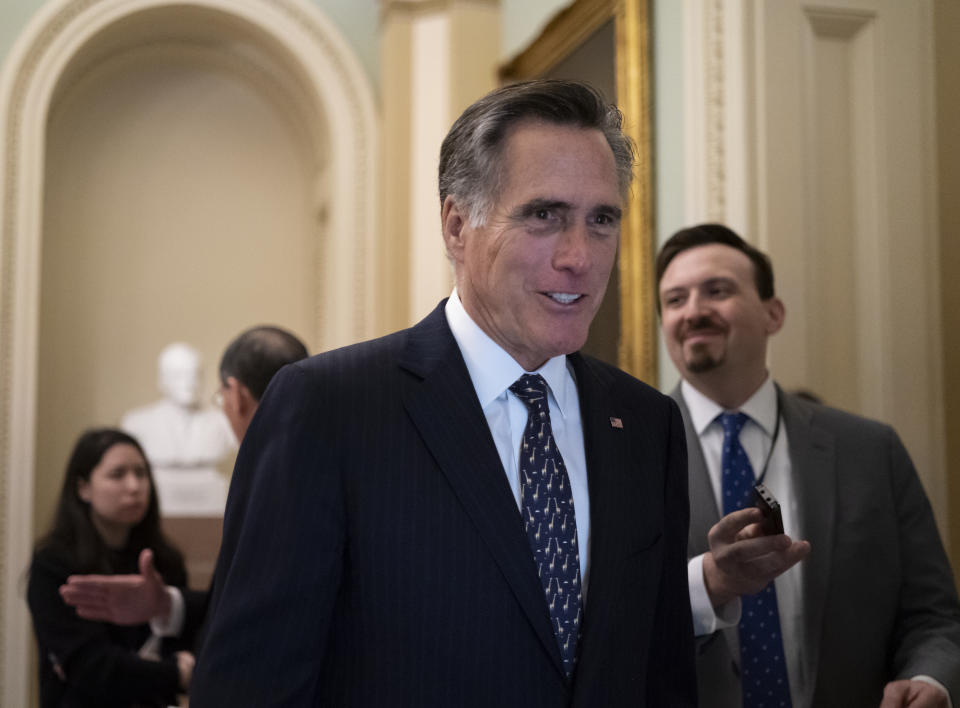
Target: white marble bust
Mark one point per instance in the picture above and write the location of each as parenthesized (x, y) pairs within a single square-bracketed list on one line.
[(183, 440)]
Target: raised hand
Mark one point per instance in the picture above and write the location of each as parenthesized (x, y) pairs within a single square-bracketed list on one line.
[(741, 560), (120, 599)]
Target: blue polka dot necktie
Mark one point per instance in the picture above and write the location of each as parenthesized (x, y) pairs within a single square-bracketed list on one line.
[(546, 502), (763, 667)]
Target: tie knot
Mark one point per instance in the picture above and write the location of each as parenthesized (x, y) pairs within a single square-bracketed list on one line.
[(733, 423), (531, 389)]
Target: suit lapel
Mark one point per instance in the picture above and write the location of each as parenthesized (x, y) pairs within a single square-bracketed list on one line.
[(443, 405), (813, 468), (702, 499), (700, 486), (607, 449)]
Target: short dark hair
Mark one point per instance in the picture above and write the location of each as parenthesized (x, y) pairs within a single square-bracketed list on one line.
[(72, 531), (259, 353), (705, 234), (471, 155)]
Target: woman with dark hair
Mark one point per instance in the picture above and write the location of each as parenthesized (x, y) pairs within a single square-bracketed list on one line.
[(107, 515)]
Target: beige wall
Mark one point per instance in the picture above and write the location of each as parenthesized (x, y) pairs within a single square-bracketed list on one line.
[(947, 23), (396, 47), (438, 57)]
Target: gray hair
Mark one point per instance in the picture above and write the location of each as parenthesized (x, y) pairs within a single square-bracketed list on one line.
[(471, 155)]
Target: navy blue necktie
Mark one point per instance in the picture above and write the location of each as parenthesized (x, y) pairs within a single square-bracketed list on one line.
[(546, 502), (763, 666)]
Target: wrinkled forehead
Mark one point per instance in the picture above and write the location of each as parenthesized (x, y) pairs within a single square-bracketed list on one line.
[(549, 159)]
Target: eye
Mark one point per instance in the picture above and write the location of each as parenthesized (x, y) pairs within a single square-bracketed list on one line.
[(718, 291), (543, 214)]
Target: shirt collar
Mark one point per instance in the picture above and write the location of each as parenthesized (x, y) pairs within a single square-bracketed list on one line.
[(492, 370), (761, 407)]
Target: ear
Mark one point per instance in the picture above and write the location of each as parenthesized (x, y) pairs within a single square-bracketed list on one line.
[(245, 400), (776, 313), (231, 392), (454, 221), (83, 490)]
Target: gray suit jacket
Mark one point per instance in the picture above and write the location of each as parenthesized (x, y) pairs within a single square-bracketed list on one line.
[(878, 593)]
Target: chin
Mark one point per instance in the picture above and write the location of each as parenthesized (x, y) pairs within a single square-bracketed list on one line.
[(134, 516), (702, 364), (567, 346), (699, 359)]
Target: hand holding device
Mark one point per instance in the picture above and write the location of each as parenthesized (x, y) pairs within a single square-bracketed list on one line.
[(772, 523)]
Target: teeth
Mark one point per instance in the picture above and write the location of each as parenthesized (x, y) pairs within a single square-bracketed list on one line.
[(564, 298)]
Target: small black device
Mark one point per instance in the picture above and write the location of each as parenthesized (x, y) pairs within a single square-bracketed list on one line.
[(772, 523)]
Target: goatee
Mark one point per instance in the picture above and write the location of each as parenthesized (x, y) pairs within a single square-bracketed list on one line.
[(701, 361)]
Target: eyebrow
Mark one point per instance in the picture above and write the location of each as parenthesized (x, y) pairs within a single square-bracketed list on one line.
[(713, 280), (616, 211), (718, 280), (526, 209)]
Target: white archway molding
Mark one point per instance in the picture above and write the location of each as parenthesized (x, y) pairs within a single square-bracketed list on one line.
[(303, 41)]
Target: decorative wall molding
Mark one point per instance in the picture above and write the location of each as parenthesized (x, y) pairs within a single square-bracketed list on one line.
[(65, 32), (712, 89), (714, 112)]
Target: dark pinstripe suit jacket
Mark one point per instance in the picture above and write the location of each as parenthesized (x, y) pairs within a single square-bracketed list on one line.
[(373, 553)]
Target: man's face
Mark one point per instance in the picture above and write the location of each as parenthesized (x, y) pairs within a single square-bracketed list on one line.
[(713, 319), (534, 275), (238, 406)]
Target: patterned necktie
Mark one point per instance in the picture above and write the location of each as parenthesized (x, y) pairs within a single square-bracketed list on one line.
[(546, 502), (762, 662)]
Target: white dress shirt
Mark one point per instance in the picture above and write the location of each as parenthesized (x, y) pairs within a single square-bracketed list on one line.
[(492, 372)]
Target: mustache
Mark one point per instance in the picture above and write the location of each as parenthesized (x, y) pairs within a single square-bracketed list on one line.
[(703, 322)]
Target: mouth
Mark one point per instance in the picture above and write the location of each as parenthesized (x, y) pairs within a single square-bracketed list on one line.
[(701, 329), (702, 333), (564, 298), (701, 339)]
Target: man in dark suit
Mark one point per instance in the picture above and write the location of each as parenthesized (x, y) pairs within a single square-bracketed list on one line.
[(871, 613), (467, 512)]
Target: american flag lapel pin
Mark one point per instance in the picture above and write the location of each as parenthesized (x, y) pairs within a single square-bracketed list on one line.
[(616, 423)]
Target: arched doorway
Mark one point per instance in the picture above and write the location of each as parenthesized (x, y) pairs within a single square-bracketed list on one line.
[(203, 158)]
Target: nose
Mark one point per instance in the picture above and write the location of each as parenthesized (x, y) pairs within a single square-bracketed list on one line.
[(695, 306), (572, 251), (134, 482)]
